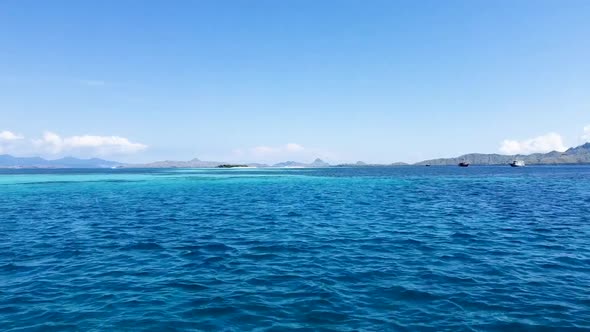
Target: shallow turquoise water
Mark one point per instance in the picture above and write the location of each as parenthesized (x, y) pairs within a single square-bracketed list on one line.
[(408, 248)]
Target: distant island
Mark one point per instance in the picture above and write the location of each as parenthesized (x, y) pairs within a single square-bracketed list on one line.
[(575, 155), (8, 161), (363, 164), (197, 163)]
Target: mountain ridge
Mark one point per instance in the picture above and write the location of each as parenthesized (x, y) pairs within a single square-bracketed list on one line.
[(8, 161), (574, 155), (316, 163)]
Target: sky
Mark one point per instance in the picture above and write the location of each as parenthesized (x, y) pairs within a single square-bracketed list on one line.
[(268, 81)]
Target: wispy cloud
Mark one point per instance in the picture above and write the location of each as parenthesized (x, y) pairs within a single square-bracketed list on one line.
[(541, 144), (8, 140), (6, 135), (262, 151), (275, 153), (87, 144), (52, 144)]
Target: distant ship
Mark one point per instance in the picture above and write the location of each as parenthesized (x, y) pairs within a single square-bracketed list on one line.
[(517, 163), (463, 164)]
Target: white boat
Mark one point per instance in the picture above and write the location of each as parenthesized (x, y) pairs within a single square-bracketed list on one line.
[(517, 163)]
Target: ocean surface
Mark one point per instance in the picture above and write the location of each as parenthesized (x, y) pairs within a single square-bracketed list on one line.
[(342, 249)]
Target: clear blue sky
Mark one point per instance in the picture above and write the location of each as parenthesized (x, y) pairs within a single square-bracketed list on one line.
[(378, 81)]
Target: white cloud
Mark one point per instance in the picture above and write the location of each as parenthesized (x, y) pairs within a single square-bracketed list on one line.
[(272, 154), (586, 136), (87, 144), (294, 147), (287, 149), (274, 150), (8, 140), (541, 144), (262, 150), (9, 136)]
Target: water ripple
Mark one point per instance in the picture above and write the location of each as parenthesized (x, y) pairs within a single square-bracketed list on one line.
[(440, 249)]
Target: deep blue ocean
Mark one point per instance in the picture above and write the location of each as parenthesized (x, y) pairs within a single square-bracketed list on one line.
[(342, 249)]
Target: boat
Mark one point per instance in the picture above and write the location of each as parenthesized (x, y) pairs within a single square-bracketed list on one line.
[(517, 163), (463, 164)]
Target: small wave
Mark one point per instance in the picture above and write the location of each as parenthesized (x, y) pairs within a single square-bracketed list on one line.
[(299, 252), (144, 246), (403, 293), (187, 286)]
